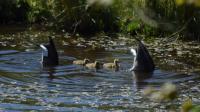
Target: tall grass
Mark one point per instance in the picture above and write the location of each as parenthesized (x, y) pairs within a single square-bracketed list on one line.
[(149, 17)]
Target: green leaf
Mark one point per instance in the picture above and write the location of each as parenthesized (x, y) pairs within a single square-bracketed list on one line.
[(133, 25), (196, 109)]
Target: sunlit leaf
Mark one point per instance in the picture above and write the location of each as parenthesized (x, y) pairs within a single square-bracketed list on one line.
[(186, 106), (100, 2), (197, 3), (180, 2), (133, 25)]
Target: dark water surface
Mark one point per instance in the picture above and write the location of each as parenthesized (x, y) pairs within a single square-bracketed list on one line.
[(25, 85)]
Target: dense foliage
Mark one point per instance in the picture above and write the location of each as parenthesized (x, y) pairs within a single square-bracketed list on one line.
[(13, 11), (149, 17)]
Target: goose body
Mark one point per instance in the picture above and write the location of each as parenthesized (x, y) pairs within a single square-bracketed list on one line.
[(81, 62), (142, 59), (95, 65), (49, 54), (115, 64)]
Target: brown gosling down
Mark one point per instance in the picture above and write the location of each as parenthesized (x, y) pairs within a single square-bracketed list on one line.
[(81, 62), (95, 65), (114, 65)]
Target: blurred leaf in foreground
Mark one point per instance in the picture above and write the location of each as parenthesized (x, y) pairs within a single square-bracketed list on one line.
[(186, 106)]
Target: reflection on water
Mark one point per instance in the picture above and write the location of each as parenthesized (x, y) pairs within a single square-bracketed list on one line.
[(139, 79), (26, 85), (141, 76), (50, 71)]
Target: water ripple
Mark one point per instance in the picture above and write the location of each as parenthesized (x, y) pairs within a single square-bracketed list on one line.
[(26, 85)]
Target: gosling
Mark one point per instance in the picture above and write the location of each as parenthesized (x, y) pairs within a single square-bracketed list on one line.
[(95, 65), (114, 65), (81, 62)]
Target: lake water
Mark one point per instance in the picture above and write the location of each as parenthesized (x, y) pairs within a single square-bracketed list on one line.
[(25, 85)]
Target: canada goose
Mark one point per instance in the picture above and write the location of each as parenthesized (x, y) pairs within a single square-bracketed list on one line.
[(142, 59), (49, 55), (95, 65), (115, 64), (81, 62)]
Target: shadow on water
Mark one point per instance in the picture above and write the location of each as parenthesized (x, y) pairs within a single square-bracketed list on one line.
[(50, 71), (26, 85), (139, 78), (158, 77)]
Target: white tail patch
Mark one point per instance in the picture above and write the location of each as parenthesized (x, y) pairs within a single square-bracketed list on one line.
[(133, 51), (45, 50)]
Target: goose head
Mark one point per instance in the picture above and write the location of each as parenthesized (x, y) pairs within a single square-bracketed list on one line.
[(49, 54), (97, 64), (86, 61), (142, 60), (116, 62)]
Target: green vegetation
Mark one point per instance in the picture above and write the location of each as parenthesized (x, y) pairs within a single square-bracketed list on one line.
[(149, 17)]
